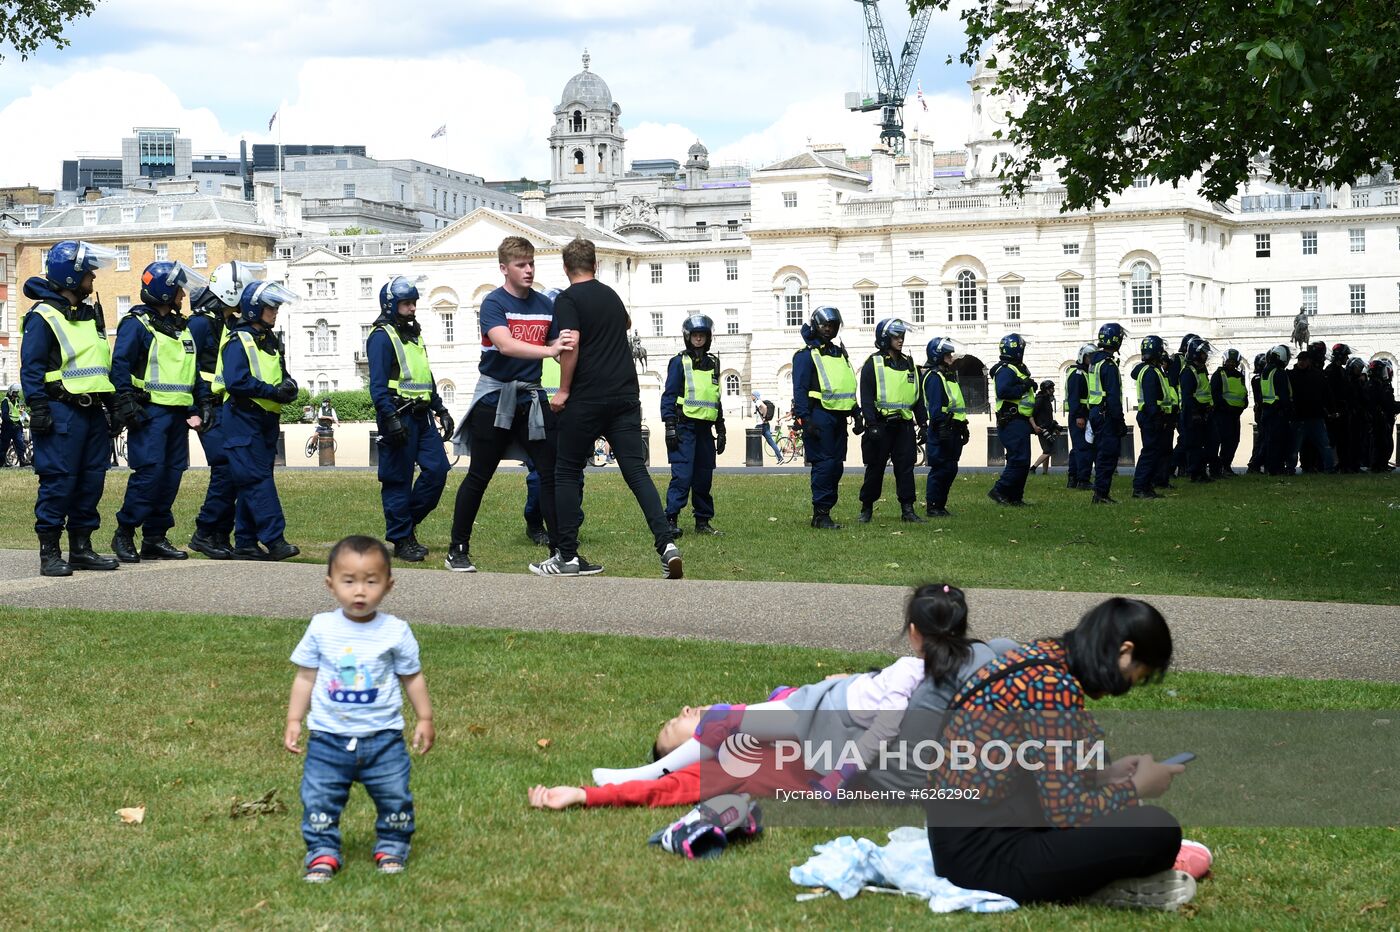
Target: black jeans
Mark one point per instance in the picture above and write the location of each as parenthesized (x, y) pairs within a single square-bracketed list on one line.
[(1033, 865), (619, 422), (489, 445)]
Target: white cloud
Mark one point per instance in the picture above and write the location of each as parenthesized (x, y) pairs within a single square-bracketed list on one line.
[(660, 141)]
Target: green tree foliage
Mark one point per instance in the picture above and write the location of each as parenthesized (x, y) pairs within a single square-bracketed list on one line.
[(27, 24), (1121, 88)]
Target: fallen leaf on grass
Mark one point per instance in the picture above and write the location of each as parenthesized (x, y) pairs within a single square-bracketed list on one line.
[(771, 518), (1113, 559), (189, 721), (260, 904), (543, 743), (266, 804), (476, 729), (133, 815), (1220, 540), (1378, 904), (891, 566)]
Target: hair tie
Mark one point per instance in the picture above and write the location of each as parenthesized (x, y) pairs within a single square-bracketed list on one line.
[(945, 587)]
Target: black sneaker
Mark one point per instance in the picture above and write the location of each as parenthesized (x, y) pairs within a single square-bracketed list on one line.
[(459, 559), (671, 563), (676, 532), (553, 565), (938, 512), (409, 550), (537, 534), (704, 527)]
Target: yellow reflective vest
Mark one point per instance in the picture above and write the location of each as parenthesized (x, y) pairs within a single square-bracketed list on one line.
[(86, 364)]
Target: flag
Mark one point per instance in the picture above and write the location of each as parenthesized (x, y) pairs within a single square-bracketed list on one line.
[(922, 102), (441, 131), (273, 120)]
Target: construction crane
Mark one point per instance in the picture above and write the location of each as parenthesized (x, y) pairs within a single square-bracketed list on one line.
[(892, 83)]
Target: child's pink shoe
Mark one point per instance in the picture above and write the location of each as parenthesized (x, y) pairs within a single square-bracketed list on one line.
[(1194, 858)]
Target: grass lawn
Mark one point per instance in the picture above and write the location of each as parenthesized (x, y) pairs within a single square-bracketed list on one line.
[(1329, 538), (183, 713)]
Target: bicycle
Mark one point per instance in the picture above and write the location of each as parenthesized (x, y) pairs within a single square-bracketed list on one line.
[(119, 450), (12, 457), (312, 444), (790, 443), (602, 453)]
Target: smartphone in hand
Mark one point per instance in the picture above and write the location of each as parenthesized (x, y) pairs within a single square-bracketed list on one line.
[(1185, 757)]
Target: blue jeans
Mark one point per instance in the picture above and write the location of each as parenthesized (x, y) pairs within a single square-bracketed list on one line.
[(767, 430), (380, 764)]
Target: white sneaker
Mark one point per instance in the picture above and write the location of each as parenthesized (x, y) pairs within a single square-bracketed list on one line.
[(671, 562), (1167, 890), (553, 566)]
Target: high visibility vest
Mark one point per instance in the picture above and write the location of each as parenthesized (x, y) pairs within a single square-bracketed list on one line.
[(86, 364), (11, 409), (549, 376), (701, 400), (1167, 403), (1094, 377), (1202, 391), (1069, 377), (415, 378), (1025, 405), (837, 380), (1266, 388), (216, 382), (953, 405), (896, 390), (171, 367), (265, 367), (1232, 389), (208, 376)]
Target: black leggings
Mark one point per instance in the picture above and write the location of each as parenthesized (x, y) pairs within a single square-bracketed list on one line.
[(1033, 865), (489, 444)]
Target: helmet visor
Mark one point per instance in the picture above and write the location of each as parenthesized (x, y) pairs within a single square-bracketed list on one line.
[(91, 256), (273, 294), (182, 276)]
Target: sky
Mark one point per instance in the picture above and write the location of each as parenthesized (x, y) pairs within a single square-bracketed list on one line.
[(755, 80)]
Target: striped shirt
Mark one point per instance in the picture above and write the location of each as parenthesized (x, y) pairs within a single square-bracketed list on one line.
[(358, 665)]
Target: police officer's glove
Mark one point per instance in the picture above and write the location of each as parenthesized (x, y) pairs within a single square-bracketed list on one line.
[(673, 439), (921, 435), (445, 424), (858, 423), (964, 433), (721, 437), (1029, 385), (206, 415), (874, 431), (128, 411), (40, 419), (286, 391), (394, 434)]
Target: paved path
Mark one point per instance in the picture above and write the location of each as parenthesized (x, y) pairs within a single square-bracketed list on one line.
[(1251, 636)]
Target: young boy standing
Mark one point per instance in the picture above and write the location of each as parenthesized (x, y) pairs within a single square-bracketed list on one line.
[(352, 662)]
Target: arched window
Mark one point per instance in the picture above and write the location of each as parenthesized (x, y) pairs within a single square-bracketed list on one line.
[(1141, 289), (323, 337), (577, 124), (448, 392), (793, 307), (578, 161), (323, 384), (967, 295), (602, 156), (731, 385)]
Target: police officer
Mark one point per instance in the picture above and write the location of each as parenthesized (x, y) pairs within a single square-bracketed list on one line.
[(1081, 451), (1105, 401), (1339, 423), (1384, 407), (12, 427), (65, 375), (1359, 402), (823, 397), (1198, 410), (1256, 456), (1275, 410), (252, 367), (1227, 390), (405, 398), (1015, 394), (215, 311), (1176, 464), (947, 431), (1156, 414), (891, 406), (690, 409)]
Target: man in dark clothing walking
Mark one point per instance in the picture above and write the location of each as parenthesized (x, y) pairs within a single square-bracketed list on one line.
[(1308, 388)]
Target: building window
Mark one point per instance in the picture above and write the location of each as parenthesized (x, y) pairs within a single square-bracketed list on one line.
[(1013, 304), (323, 337), (90, 216), (123, 305), (1358, 240), (398, 249), (123, 258), (1362, 199), (1190, 232), (866, 258), (656, 273), (731, 270), (916, 306), (1071, 249), (162, 251), (733, 224), (658, 325), (1310, 300), (731, 385), (967, 295), (449, 325), (578, 161), (1071, 302), (167, 214), (789, 198), (1388, 199), (1358, 299), (867, 309), (201, 255), (448, 393), (792, 303), (343, 249), (1142, 181), (364, 333), (700, 226), (298, 166), (1263, 302), (366, 287), (1141, 289), (1309, 242), (731, 321), (347, 190), (128, 215), (692, 272), (284, 252), (1011, 250), (1262, 246), (916, 255), (323, 384)]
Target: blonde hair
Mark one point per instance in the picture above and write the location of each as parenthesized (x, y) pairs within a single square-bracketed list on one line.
[(515, 247)]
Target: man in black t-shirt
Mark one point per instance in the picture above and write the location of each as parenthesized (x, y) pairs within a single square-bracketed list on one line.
[(598, 396)]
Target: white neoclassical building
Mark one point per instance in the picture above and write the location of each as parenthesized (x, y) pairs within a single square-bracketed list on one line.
[(927, 237)]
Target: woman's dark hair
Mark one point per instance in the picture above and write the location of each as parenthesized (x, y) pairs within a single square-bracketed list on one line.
[(939, 612), (1094, 643)]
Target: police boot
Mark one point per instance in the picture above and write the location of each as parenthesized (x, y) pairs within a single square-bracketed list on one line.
[(160, 548), (81, 556), (279, 549), (704, 527), (906, 513), (409, 550), (867, 512), (676, 532), (821, 520), (209, 544), (537, 534), (51, 562), (124, 545)]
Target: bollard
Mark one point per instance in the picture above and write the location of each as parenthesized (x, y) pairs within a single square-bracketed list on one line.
[(753, 447), (281, 458), (374, 448), (325, 448)]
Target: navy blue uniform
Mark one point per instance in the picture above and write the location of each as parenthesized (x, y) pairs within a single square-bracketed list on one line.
[(11, 432), (1081, 451), (893, 440), (1176, 464), (1227, 425), (1154, 429), (250, 440), (1106, 418), (158, 450), (946, 439), (73, 459), (215, 517), (824, 431), (406, 502), (1198, 423), (693, 460), (1274, 428), (1014, 431)]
